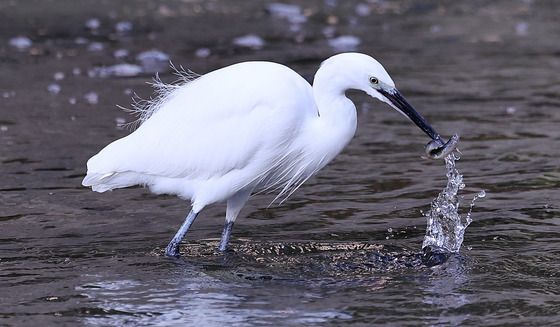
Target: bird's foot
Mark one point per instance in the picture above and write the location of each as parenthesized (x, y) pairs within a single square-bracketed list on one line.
[(172, 250), (226, 234), (222, 247)]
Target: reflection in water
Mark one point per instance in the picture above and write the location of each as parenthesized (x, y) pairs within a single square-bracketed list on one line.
[(214, 289), (175, 302), (186, 299), (443, 290)]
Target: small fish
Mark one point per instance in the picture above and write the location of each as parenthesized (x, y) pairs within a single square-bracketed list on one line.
[(436, 149)]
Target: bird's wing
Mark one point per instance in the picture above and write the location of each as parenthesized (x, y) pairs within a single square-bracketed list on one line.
[(197, 134)]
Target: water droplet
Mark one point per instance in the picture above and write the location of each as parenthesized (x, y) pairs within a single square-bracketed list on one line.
[(390, 230), (445, 227), (481, 194)]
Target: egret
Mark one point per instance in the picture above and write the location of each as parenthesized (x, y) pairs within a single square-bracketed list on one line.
[(246, 128)]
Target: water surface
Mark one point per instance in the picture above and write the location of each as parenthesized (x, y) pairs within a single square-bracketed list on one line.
[(343, 250)]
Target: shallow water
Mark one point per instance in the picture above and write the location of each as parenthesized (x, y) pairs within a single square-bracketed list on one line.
[(345, 249)]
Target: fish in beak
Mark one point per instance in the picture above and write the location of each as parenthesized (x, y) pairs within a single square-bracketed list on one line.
[(437, 148)]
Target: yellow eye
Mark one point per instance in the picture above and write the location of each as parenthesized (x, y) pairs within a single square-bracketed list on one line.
[(373, 80)]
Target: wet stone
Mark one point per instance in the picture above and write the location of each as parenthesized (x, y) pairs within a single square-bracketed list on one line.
[(123, 27), (91, 98), (290, 12), (93, 23), (344, 260), (20, 42), (434, 256), (54, 88), (250, 41), (345, 43), (153, 61), (96, 47), (119, 70)]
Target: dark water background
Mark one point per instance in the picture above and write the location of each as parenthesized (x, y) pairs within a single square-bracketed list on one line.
[(342, 250)]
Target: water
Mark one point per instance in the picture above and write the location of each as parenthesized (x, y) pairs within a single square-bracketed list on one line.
[(345, 249), (445, 227)]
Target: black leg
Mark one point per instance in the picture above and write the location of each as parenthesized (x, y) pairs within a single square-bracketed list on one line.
[(225, 236), (172, 249)]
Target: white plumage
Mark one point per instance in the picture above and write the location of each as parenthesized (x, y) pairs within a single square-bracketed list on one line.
[(245, 128)]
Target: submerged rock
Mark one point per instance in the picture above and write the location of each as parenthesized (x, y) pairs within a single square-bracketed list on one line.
[(434, 256)]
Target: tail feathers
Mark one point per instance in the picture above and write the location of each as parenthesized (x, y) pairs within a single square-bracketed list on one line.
[(102, 182), (98, 181)]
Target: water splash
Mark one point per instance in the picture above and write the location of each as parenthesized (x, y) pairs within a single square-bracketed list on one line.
[(446, 227)]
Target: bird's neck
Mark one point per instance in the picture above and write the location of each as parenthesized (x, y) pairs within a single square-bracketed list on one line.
[(336, 124), (335, 109)]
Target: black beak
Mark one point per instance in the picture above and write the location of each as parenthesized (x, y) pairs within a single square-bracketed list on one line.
[(402, 105), (435, 149)]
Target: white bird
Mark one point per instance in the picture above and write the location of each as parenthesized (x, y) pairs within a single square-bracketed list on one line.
[(246, 128)]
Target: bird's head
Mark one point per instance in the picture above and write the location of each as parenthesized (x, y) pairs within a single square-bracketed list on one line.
[(362, 72)]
